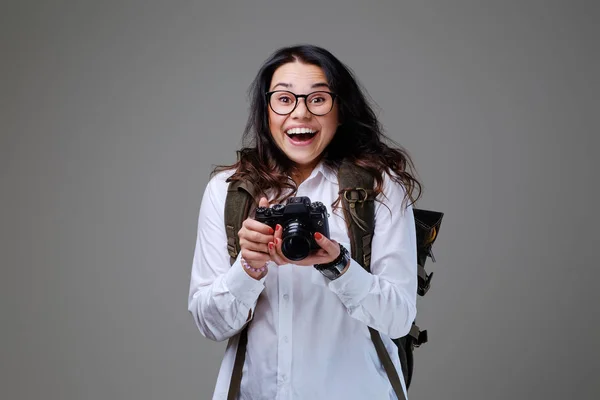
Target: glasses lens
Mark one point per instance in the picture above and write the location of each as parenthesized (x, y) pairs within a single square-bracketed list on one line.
[(282, 102), (319, 103)]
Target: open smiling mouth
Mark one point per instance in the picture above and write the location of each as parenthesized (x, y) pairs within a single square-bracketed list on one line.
[(300, 135)]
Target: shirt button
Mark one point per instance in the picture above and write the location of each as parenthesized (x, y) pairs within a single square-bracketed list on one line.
[(285, 339), (286, 297)]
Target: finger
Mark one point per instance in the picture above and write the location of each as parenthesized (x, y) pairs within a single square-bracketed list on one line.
[(279, 252), (254, 257), (254, 225), (330, 246), (278, 231), (273, 254), (254, 246), (254, 236), (263, 202), (330, 250)]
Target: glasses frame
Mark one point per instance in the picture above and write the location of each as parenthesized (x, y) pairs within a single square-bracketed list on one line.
[(299, 96)]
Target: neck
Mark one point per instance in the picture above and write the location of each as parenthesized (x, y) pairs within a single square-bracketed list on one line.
[(301, 172), (300, 176)]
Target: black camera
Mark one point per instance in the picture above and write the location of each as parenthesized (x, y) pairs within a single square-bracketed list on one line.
[(300, 220)]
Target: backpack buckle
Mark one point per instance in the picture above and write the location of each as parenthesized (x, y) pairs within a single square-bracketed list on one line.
[(357, 195), (424, 280), (423, 338), (417, 336)]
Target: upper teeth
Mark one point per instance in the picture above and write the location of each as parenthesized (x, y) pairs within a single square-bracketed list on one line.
[(297, 131)]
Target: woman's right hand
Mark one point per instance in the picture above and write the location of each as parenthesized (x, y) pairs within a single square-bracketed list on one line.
[(254, 240)]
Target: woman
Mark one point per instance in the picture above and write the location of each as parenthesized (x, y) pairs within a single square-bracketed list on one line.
[(308, 334)]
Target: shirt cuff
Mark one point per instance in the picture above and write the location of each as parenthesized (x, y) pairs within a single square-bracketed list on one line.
[(353, 286), (242, 286)]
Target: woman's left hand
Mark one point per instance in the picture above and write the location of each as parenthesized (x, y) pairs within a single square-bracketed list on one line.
[(328, 252)]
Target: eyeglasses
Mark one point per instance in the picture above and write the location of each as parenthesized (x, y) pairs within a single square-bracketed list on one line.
[(283, 102)]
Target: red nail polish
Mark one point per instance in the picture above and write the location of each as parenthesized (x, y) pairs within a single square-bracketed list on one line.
[(277, 227), (318, 236)]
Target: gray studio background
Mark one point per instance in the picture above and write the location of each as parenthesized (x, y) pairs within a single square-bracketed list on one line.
[(114, 112)]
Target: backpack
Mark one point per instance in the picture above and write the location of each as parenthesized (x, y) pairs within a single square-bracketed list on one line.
[(356, 193)]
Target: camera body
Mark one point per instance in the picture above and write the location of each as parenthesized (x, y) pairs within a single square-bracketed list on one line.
[(300, 220)]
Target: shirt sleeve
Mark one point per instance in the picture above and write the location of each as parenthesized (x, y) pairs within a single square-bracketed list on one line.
[(385, 299), (221, 297)]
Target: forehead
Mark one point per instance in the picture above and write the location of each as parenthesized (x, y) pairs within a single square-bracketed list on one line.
[(297, 75)]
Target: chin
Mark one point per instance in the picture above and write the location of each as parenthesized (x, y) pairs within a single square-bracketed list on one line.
[(303, 162)]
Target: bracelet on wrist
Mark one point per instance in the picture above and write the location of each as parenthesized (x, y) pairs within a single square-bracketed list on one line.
[(250, 268), (333, 269)]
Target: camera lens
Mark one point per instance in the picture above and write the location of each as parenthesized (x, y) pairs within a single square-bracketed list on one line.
[(295, 241)]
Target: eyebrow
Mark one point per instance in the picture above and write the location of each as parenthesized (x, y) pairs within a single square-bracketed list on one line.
[(315, 85)]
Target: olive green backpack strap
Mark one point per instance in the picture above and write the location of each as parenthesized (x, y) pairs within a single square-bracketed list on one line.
[(357, 197), (240, 199), (356, 194)]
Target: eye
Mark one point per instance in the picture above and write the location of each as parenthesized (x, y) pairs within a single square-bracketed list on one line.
[(284, 98), (319, 98)]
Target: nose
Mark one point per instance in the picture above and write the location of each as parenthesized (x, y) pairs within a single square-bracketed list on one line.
[(301, 111)]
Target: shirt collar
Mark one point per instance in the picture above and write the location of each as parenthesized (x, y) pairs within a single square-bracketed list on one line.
[(327, 172)]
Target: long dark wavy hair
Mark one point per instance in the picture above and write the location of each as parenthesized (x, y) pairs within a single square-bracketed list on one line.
[(359, 138)]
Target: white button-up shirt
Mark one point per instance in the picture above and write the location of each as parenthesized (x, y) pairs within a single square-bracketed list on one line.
[(308, 337)]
